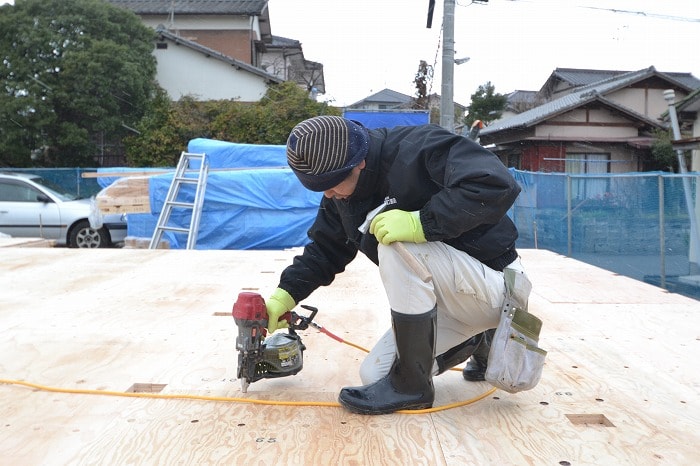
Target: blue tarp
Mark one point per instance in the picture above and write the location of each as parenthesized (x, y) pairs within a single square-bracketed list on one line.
[(257, 204), (224, 154), (388, 119)]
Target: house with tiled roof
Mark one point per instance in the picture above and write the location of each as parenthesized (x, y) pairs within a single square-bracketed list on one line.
[(519, 101), (584, 125), (188, 68), (284, 58), (388, 99), (565, 80), (235, 31)]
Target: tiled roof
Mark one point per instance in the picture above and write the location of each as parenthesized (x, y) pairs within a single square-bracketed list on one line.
[(278, 41), (193, 7), (691, 103), (686, 78), (580, 96), (386, 96), (583, 77), (521, 98)]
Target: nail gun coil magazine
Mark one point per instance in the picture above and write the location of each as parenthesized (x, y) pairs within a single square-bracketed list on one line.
[(283, 355)]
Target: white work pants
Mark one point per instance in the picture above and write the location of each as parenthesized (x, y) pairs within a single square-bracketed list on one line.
[(468, 296)]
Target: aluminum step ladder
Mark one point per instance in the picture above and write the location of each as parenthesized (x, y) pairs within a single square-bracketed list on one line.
[(175, 200)]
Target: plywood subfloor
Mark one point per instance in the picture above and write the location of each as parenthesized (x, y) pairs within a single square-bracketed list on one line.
[(620, 385), (10, 242)]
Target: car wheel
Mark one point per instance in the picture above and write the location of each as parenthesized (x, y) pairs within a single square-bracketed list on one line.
[(82, 235)]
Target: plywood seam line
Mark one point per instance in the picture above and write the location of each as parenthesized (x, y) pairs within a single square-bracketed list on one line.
[(228, 399)]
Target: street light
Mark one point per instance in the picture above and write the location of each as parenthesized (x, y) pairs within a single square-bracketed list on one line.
[(462, 61)]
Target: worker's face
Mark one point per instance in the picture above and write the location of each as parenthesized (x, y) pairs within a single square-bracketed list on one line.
[(345, 188)]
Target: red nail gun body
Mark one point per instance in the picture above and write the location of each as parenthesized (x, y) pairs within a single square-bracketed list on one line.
[(261, 357)]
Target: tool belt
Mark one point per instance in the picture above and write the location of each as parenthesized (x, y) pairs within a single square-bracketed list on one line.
[(515, 360)]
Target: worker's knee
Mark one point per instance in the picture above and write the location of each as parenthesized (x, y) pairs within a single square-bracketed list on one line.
[(389, 258)]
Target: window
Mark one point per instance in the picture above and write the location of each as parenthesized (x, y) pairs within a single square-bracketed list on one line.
[(11, 191), (589, 164)]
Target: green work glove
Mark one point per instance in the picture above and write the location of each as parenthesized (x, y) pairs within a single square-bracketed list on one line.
[(397, 225), (277, 305)]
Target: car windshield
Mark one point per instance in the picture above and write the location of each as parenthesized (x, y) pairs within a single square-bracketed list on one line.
[(55, 189)]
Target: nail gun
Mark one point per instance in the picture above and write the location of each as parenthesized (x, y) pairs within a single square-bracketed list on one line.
[(261, 356)]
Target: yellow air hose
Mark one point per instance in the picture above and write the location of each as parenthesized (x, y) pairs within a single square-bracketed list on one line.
[(238, 399)]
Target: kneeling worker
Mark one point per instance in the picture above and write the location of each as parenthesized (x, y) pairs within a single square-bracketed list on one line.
[(447, 199)]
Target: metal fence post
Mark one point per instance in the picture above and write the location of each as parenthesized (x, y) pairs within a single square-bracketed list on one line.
[(569, 219), (662, 233), (77, 180)]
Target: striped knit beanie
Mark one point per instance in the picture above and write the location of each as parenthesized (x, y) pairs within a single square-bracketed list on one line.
[(323, 150)]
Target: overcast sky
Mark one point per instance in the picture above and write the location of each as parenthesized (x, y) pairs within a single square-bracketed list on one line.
[(368, 45)]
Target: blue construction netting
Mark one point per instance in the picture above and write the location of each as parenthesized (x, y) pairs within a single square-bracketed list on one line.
[(70, 179), (640, 225)]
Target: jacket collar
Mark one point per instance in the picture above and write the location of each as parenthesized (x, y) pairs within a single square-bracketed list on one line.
[(367, 183)]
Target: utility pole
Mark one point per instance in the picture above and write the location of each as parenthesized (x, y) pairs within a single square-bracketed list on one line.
[(447, 105), (694, 247)]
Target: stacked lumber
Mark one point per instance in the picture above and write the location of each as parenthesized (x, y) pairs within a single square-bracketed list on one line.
[(126, 195)]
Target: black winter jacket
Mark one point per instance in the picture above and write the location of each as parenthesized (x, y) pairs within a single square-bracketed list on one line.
[(462, 191)]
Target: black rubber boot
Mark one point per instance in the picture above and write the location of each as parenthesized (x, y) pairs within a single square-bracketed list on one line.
[(475, 370), (409, 383), (458, 354)]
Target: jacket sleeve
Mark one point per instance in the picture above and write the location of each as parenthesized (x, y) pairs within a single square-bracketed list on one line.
[(323, 258), (476, 187)]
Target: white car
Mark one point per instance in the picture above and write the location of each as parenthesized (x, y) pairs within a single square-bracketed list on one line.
[(32, 207)]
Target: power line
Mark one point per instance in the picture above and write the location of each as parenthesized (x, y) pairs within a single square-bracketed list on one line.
[(437, 52), (643, 13), (616, 10)]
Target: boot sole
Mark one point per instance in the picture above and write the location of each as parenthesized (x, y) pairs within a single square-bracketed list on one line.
[(369, 411), (474, 376)]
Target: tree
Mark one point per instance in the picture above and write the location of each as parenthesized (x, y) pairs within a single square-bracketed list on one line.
[(486, 105), (270, 120), (663, 157), (153, 144), (72, 72), (167, 127)]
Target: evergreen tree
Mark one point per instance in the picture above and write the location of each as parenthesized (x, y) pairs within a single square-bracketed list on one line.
[(74, 74), (486, 105)]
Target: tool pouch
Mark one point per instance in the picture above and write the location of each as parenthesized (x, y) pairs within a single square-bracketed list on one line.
[(515, 360)]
